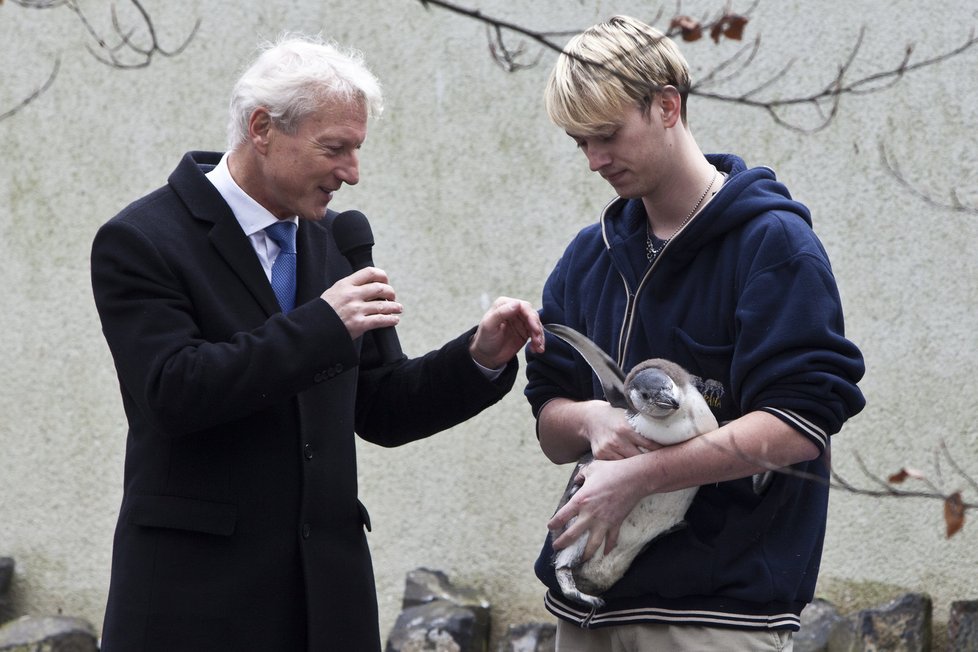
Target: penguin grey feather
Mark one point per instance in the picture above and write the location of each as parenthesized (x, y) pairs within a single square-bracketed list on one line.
[(607, 370), (663, 405)]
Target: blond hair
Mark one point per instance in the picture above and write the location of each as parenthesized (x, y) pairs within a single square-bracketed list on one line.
[(609, 68)]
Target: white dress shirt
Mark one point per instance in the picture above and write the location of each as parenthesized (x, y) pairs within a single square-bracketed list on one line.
[(252, 216)]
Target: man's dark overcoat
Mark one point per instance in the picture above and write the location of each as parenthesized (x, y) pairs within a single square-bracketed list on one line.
[(240, 527)]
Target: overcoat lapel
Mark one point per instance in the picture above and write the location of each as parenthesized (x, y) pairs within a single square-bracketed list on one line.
[(233, 245), (312, 277), (205, 203)]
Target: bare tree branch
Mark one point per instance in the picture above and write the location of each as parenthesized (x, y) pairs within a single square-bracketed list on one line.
[(824, 101), (954, 506), (127, 44), (41, 4), (124, 54), (957, 468), (831, 94), (508, 58), (37, 93), (952, 204)]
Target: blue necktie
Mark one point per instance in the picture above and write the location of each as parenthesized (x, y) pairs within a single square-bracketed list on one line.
[(283, 269)]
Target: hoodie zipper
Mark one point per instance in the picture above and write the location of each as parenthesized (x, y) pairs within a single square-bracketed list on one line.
[(631, 299), (628, 318)]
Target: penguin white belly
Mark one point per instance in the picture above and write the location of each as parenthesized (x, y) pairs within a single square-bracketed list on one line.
[(652, 517)]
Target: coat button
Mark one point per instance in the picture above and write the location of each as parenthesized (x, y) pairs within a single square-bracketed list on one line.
[(306, 530), (307, 451)]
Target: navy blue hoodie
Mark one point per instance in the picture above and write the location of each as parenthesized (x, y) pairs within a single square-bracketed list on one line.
[(744, 298)]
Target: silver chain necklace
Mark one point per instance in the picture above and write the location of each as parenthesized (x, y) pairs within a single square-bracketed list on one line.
[(651, 251)]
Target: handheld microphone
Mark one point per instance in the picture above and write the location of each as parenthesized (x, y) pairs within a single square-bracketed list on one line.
[(355, 240)]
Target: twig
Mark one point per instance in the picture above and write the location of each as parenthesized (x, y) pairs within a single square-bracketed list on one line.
[(126, 43), (954, 204), (886, 489), (825, 101), (37, 92)]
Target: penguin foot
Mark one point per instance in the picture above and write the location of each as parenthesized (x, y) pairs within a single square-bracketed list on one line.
[(565, 578), (586, 623)]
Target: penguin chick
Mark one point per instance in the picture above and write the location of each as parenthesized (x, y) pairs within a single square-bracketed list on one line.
[(664, 406)]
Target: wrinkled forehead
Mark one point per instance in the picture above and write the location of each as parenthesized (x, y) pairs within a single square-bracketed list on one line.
[(351, 112)]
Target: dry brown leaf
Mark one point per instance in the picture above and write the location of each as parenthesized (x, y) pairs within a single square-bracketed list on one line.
[(735, 26), (904, 473), (953, 513), (731, 26), (898, 477), (691, 28)]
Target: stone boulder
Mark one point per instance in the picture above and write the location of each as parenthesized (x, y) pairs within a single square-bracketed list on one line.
[(903, 625), (820, 623), (48, 634), (962, 626), (439, 617)]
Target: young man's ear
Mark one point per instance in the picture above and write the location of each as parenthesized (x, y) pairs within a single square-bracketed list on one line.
[(670, 103)]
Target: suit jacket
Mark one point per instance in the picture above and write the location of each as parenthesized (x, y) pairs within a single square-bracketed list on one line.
[(240, 526)]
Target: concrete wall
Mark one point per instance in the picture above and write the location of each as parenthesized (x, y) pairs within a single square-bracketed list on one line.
[(473, 194)]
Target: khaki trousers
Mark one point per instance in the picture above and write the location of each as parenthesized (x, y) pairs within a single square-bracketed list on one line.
[(669, 638)]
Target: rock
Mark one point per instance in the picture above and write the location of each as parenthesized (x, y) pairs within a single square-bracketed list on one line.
[(819, 621), (48, 634), (423, 586), (438, 626), (532, 637), (439, 617), (903, 625), (962, 626)]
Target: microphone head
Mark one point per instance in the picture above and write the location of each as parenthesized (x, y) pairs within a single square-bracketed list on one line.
[(351, 231)]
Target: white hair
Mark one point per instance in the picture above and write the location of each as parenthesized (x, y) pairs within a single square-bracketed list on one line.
[(292, 77)]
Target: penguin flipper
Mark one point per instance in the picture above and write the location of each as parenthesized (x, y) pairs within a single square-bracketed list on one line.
[(607, 370)]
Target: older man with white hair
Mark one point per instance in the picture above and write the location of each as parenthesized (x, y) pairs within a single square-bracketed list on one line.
[(246, 363)]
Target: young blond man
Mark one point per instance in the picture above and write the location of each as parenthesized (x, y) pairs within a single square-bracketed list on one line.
[(704, 261)]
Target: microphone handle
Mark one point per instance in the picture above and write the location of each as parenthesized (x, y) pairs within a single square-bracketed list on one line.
[(385, 339), (388, 344)]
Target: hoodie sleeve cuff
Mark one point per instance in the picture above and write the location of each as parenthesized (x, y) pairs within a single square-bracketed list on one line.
[(809, 429)]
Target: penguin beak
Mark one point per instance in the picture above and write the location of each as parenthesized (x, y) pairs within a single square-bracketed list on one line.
[(666, 400)]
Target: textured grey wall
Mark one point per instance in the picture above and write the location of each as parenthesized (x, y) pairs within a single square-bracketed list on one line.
[(473, 194)]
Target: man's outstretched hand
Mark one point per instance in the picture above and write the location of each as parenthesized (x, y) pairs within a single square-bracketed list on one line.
[(504, 331)]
